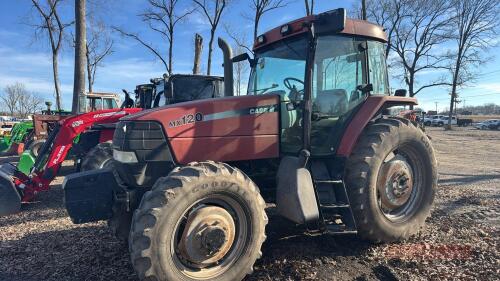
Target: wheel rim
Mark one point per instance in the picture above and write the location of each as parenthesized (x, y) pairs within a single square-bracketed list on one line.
[(399, 185), (210, 236), (106, 163)]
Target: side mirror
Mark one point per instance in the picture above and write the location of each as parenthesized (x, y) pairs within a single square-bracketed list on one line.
[(400, 93), (365, 88), (241, 57)]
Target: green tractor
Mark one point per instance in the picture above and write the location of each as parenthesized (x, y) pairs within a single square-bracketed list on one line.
[(20, 133)]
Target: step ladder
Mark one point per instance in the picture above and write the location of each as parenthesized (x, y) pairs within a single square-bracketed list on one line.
[(333, 201)]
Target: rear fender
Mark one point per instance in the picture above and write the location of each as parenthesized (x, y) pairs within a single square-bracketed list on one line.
[(373, 106)]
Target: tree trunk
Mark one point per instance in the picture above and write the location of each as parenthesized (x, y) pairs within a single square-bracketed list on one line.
[(198, 49), (209, 63), (256, 27), (170, 52), (90, 75), (56, 80), (80, 52), (410, 88)]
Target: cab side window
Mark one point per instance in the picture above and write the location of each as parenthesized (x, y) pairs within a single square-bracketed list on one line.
[(378, 68), (339, 71)]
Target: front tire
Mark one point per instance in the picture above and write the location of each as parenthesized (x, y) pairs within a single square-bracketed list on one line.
[(391, 177), (99, 157), (35, 147), (204, 221)]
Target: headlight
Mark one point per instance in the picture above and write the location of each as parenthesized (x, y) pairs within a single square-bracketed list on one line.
[(124, 156)]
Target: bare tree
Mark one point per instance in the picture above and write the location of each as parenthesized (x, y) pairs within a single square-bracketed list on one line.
[(415, 39), (212, 9), (475, 28), (198, 49), (386, 13), (261, 7), (99, 45), (28, 103), (162, 16), (52, 25), (309, 7), (80, 54), (19, 101), (12, 94)]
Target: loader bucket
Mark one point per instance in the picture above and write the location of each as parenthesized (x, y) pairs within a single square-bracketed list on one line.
[(26, 162), (10, 199)]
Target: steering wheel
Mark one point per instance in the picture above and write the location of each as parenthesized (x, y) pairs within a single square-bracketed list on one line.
[(295, 94), (288, 85)]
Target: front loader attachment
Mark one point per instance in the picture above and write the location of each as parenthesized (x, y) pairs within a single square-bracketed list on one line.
[(10, 199)]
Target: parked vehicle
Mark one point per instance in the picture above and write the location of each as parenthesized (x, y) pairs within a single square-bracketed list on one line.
[(494, 125), (443, 120), (195, 175), (484, 125), (428, 119), (464, 122)]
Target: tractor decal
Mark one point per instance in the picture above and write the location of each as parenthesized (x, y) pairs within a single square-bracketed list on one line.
[(199, 117), (257, 110)]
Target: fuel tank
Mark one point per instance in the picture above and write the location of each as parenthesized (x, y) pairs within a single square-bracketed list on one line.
[(225, 129)]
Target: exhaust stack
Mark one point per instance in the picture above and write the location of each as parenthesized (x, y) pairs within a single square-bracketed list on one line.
[(228, 67)]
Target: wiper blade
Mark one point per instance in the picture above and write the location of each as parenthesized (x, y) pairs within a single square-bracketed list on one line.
[(266, 89)]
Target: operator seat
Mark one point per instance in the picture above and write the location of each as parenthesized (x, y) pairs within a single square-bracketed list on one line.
[(331, 102)]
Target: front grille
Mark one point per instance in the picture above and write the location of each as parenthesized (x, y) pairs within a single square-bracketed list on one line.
[(149, 143), (146, 139)]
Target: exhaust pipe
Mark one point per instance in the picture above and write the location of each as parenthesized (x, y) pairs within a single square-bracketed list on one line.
[(228, 67)]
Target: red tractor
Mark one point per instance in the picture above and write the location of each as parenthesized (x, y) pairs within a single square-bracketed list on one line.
[(94, 131), (191, 181)]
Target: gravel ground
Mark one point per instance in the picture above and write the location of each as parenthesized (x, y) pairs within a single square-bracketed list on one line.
[(460, 240)]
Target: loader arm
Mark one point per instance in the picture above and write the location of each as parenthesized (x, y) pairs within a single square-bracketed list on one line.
[(56, 148)]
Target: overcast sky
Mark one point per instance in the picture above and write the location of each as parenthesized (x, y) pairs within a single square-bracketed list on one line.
[(23, 59)]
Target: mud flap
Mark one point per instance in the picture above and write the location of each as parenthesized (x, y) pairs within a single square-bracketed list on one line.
[(295, 195), (10, 199)]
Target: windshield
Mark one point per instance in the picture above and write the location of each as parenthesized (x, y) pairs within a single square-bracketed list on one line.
[(196, 88), (280, 69)]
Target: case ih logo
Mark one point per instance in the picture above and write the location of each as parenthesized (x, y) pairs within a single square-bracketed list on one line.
[(263, 109)]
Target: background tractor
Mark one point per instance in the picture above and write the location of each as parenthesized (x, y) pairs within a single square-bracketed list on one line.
[(88, 137), (190, 180)]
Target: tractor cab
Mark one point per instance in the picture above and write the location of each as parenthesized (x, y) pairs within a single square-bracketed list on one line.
[(328, 67), (186, 87), (97, 101)]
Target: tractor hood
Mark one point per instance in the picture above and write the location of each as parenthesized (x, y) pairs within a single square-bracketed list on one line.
[(224, 129), (243, 115)]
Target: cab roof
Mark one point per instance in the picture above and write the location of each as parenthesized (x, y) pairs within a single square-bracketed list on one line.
[(299, 26)]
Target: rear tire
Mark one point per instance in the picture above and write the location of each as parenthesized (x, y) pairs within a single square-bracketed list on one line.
[(160, 252), (386, 142)]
